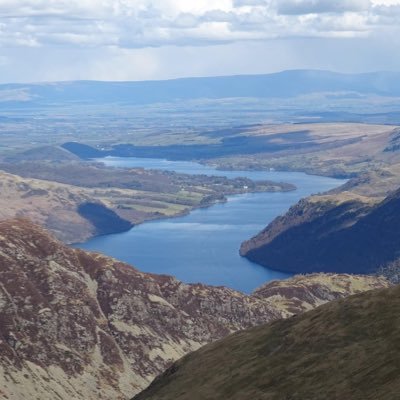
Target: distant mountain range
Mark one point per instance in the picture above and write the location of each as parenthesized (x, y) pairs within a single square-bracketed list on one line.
[(277, 85)]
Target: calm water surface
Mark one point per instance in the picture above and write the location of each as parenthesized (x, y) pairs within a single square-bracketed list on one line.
[(204, 246)]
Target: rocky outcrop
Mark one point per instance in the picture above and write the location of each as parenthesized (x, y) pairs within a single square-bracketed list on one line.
[(347, 349), (76, 325), (306, 292), (391, 271), (330, 234)]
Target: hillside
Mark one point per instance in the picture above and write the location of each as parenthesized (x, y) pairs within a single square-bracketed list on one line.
[(347, 349), (82, 326), (350, 229), (354, 235), (333, 149), (351, 150)]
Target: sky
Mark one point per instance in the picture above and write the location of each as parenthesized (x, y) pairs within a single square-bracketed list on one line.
[(53, 40)]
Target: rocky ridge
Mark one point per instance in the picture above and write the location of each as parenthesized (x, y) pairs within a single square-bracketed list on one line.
[(76, 325)]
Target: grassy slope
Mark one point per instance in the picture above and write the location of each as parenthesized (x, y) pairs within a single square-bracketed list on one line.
[(347, 349)]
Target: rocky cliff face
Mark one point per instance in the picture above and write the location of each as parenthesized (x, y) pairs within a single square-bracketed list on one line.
[(337, 233), (75, 325)]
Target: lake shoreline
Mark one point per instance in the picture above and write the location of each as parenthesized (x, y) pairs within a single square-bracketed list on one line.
[(202, 244), (180, 214), (264, 186)]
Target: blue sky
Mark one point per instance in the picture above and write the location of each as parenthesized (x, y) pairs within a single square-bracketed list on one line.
[(50, 40)]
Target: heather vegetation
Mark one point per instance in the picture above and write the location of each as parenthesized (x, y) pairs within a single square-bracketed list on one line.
[(347, 349)]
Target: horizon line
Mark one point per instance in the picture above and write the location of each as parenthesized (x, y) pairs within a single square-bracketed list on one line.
[(203, 77)]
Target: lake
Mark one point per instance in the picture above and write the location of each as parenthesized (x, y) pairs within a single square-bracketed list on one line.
[(204, 245)]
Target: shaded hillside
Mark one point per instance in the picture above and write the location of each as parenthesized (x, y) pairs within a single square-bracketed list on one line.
[(105, 221), (349, 236), (348, 349), (82, 326), (230, 146)]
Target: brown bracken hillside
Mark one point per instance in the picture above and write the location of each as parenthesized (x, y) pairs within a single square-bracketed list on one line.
[(82, 326)]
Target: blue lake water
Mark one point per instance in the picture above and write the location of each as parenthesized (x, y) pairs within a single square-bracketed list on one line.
[(204, 245)]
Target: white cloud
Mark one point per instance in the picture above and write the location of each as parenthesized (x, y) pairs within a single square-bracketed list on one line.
[(138, 35), (385, 2), (298, 7), (146, 23)]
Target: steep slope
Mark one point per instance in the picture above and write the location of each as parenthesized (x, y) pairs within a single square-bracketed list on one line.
[(347, 349), (353, 235), (75, 325), (58, 207)]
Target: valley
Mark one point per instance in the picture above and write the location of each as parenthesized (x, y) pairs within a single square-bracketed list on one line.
[(176, 177), (203, 245), (316, 234), (200, 200)]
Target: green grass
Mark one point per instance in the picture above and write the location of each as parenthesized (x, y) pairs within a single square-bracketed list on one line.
[(347, 350)]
